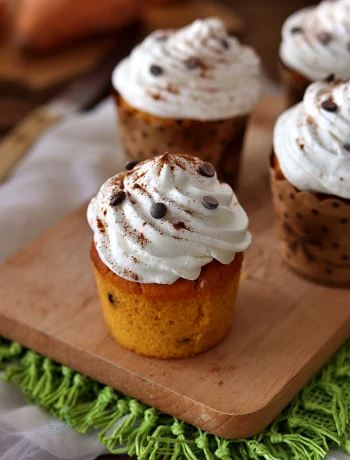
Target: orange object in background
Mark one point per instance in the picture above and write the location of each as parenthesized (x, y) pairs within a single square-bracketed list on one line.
[(43, 24)]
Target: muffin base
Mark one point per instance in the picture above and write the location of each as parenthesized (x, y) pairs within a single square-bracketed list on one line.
[(169, 321), (294, 84), (314, 231), (218, 142)]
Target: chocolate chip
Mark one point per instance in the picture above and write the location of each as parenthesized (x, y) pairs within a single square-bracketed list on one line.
[(162, 38), (129, 165), (158, 210), (207, 170), (329, 78), (111, 299), (210, 202), (192, 63), (347, 147), (156, 70), (324, 37), (329, 105), (296, 30), (224, 43), (118, 198)]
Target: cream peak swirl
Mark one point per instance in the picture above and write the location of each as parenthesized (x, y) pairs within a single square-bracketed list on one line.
[(312, 140), (198, 72), (145, 249), (316, 40)]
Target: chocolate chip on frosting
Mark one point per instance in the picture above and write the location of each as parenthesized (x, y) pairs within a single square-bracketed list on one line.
[(158, 210), (129, 165), (224, 43), (118, 198), (347, 147), (329, 105), (296, 30), (324, 37), (162, 38), (210, 202), (156, 70), (206, 170), (330, 78)]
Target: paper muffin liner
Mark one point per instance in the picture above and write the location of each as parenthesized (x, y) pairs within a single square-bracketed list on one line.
[(314, 232), (294, 84), (218, 142)]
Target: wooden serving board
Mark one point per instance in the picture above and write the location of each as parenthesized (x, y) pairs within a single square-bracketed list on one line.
[(284, 329)]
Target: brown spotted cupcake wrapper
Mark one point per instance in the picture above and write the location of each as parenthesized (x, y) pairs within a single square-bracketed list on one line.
[(294, 84), (314, 232), (217, 142)]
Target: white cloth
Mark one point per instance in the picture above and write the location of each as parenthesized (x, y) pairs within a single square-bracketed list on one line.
[(63, 170)]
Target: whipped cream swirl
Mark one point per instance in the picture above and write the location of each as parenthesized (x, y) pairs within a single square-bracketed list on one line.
[(198, 72), (316, 40), (140, 248), (312, 140)]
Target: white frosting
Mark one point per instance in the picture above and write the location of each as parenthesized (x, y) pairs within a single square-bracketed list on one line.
[(309, 141), (304, 51), (224, 85), (139, 248)]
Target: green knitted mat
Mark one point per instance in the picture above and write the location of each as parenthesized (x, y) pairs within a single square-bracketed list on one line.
[(317, 419)]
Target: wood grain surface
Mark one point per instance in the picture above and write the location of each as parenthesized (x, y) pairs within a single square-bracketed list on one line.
[(284, 329)]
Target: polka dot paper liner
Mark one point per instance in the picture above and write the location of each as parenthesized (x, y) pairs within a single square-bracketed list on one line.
[(217, 142), (313, 231)]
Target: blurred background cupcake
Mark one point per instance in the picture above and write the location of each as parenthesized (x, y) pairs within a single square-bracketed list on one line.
[(188, 91), (315, 45), (310, 178)]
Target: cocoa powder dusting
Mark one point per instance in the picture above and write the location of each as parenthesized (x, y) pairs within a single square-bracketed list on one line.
[(311, 121), (100, 225), (142, 240), (300, 143), (171, 88), (179, 226)]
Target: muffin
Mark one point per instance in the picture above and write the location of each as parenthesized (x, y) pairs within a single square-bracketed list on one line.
[(167, 253), (310, 178), (315, 46), (189, 90)]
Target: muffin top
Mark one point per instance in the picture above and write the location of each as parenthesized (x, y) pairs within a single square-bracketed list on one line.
[(312, 140), (316, 40), (198, 72), (165, 219)]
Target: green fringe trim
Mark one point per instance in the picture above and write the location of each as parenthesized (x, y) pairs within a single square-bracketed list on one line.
[(317, 419)]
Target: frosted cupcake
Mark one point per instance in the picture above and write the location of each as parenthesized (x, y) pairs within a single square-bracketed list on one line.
[(315, 46), (310, 177), (167, 252), (190, 91)]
